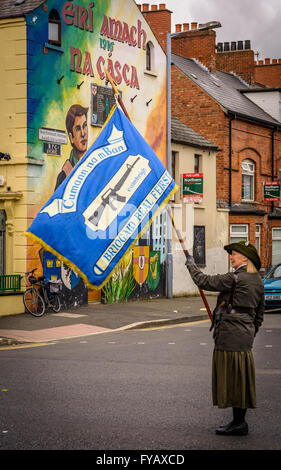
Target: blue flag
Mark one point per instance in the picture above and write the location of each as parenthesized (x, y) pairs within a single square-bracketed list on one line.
[(105, 204)]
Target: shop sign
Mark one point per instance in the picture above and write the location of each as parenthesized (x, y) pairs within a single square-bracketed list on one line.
[(192, 187), (271, 191)]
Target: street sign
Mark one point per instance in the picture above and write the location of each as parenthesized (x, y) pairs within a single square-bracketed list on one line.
[(271, 191), (192, 187), (52, 149), (52, 135)]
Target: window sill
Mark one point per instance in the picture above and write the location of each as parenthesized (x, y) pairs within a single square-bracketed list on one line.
[(149, 72), (52, 47)]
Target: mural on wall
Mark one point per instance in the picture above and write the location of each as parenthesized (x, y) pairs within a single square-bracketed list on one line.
[(68, 45)]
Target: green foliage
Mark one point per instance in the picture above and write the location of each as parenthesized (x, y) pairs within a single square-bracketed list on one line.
[(120, 285)]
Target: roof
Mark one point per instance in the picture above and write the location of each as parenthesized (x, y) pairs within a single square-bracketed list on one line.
[(225, 88), (183, 134), (9, 9)]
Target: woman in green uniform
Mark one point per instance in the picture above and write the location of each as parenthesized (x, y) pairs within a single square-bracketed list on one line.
[(237, 317)]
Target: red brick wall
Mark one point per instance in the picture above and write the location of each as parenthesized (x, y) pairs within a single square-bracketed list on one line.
[(192, 106), (241, 62), (269, 75)]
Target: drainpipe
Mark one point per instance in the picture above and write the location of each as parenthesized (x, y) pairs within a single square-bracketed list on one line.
[(169, 283), (230, 159), (272, 162)]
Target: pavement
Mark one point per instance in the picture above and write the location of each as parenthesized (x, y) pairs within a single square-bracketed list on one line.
[(97, 318)]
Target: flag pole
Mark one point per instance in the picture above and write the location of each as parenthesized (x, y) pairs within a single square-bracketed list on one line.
[(116, 93), (184, 249), (120, 101)]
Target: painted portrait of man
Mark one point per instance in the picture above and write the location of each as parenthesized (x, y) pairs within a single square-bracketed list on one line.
[(77, 130)]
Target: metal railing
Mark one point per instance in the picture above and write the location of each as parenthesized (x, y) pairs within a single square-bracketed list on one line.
[(10, 282)]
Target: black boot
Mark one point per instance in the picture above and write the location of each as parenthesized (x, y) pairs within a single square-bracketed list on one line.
[(237, 427)]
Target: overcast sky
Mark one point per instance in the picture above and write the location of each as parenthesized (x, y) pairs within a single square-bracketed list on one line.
[(256, 20)]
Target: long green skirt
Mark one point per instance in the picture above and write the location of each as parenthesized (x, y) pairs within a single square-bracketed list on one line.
[(233, 379)]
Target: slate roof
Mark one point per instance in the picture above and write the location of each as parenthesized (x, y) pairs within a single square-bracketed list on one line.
[(183, 134), (225, 88), (8, 9)]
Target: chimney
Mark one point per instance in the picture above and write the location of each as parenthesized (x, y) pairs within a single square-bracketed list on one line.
[(236, 58), (159, 19), (196, 43)]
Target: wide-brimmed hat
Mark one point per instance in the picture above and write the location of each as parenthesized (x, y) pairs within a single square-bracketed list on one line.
[(247, 249)]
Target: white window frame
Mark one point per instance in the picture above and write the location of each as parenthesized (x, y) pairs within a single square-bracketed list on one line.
[(236, 235), (274, 239), (248, 170), (258, 238), (151, 52)]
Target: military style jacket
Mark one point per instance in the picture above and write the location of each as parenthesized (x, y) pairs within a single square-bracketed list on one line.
[(234, 330)]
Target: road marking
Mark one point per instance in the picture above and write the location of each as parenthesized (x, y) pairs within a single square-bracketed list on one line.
[(171, 343), (268, 345), (203, 344), (69, 315), (175, 325), (24, 346), (140, 342), (268, 331)]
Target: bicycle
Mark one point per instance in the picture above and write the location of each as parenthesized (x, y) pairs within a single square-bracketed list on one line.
[(47, 295)]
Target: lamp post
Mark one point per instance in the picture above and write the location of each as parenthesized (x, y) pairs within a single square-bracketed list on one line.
[(209, 25)]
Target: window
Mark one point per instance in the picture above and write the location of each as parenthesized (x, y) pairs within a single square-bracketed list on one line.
[(149, 56), (248, 180), (159, 229), (258, 238), (197, 163), (276, 245), (2, 241), (54, 28), (238, 232)]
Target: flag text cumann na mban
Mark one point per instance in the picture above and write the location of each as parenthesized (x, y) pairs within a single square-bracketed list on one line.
[(106, 202)]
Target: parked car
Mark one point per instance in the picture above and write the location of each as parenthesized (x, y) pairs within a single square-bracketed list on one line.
[(272, 287)]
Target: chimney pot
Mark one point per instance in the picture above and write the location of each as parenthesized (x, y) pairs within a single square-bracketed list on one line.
[(240, 46), (178, 28), (233, 46), (193, 25), (219, 46), (154, 7), (145, 6), (226, 46), (162, 6), (247, 44), (261, 62), (185, 26), (139, 6), (267, 61), (274, 61)]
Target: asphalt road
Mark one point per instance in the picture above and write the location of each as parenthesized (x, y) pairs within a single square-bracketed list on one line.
[(132, 390)]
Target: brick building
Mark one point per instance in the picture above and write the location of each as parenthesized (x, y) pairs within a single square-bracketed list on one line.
[(211, 91)]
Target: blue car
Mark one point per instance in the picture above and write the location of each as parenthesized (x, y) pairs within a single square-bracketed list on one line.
[(272, 287)]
